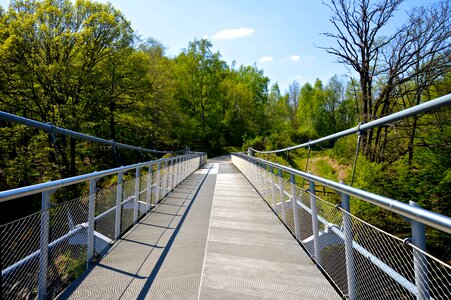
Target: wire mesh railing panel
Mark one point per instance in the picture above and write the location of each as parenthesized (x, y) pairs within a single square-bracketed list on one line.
[(67, 248), (332, 248), (105, 207), (305, 221), (19, 240), (380, 260), (128, 191), (433, 275)]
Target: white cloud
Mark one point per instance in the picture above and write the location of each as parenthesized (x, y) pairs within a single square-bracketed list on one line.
[(264, 59), (233, 33), (295, 58)]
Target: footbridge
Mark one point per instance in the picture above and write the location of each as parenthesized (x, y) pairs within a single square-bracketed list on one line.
[(233, 227)]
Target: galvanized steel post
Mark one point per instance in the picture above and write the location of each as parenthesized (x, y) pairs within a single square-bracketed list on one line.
[(294, 202), (165, 178), (136, 198), (117, 221), (91, 213), (419, 259), (350, 263), (281, 193), (158, 183), (273, 187), (149, 188), (314, 222), (44, 245), (170, 174)]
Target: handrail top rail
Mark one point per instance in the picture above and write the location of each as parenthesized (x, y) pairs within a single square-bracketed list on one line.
[(421, 108), (56, 184), (50, 127), (422, 215)]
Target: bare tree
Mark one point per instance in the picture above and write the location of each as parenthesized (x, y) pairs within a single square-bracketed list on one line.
[(294, 91), (417, 52)]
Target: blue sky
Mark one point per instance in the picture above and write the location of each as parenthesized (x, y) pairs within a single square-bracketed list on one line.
[(278, 36)]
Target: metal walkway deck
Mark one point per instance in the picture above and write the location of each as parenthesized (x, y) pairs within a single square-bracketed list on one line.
[(214, 237)]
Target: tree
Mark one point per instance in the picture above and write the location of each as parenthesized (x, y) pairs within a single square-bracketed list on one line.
[(51, 57), (360, 45), (199, 73), (293, 101), (416, 53)]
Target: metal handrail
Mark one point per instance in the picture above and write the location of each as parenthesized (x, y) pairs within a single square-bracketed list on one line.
[(409, 112), (50, 127), (52, 185), (419, 214)]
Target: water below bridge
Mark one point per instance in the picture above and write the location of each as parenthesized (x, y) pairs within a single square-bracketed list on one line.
[(213, 237)]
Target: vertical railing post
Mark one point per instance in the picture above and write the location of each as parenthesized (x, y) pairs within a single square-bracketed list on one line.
[(165, 178), (176, 173), (149, 188), (170, 175), (294, 201), (282, 194), (350, 264), (314, 222), (117, 221), (91, 220), (265, 183), (136, 199), (158, 183), (273, 187), (419, 259), (44, 245)]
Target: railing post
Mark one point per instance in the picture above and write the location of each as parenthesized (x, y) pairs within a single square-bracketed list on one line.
[(165, 178), (314, 222), (265, 182), (419, 260), (294, 201), (44, 244), (273, 187), (350, 264), (176, 172), (117, 222), (281, 193), (158, 183), (149, 188), (136, 200), (171, 175), (91, 212)]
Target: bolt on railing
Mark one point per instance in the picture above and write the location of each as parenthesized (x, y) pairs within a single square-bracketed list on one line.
[(362, 261), (72, 234)]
